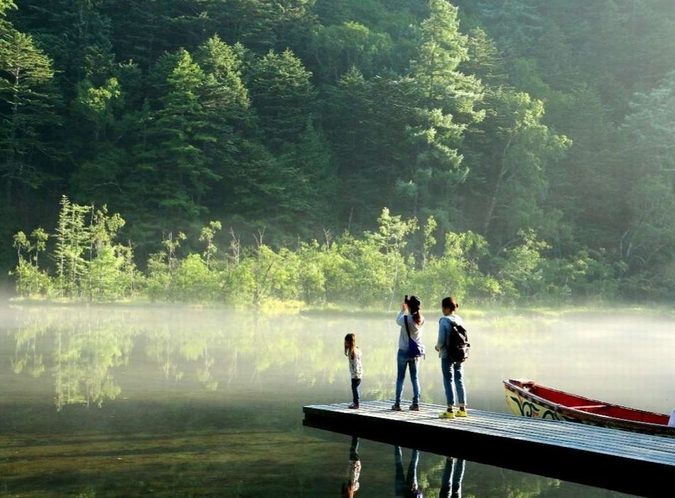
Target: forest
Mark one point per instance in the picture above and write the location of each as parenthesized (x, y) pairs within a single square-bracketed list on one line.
[(338, 151)]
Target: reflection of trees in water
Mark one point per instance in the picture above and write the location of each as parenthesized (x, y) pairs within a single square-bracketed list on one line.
[(163, 349), (205, 373), (27, 359), (215, 349), (81, 348), (84, 355), (173, 344)]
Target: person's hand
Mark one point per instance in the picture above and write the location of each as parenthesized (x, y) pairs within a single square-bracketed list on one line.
[(437, 348)]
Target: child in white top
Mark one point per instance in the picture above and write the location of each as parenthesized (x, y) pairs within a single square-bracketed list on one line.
[(353, 352)]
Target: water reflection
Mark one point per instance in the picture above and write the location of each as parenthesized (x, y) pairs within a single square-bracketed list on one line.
[(453, 475), (351, 484), (422, 474), (80, 358), (406, 484), (93, 355), (86, 350), (83, 350), (202, 402)]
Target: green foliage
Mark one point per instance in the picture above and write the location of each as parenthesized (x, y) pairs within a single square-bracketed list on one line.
[(305, 117), (514, 168), (371, 270), (31, 281), (337, 48), (162, 266), (192, 282), (582, 277), (435, 67), (312, 180), (312, 275), (649, 165), (519, 267), (72, 240), (5, 5), (282, 94), (111, 272), (457, 272), (88, 263), (207, 235), (26, 110)]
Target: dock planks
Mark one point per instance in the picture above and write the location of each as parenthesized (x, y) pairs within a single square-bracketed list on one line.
[(628, 462)]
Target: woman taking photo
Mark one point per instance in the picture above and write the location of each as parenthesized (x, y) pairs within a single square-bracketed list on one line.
[(411, 321)]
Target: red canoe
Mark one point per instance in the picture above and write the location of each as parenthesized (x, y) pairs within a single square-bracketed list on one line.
[(529, 399)]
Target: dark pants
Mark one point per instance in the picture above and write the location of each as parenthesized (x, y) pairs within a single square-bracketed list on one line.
[(354, 449), (356, 393), (404, 484), (451, 484)]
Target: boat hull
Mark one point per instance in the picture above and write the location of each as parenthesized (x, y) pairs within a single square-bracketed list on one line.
[(522, 400)]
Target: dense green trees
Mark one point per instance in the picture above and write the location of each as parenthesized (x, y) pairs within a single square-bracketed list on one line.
[(371, 269), (529, 122)]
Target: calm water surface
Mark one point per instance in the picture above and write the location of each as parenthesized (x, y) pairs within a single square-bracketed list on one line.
[(105, 401)]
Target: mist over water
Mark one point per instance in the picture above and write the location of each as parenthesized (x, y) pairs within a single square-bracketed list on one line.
[(115, 401)]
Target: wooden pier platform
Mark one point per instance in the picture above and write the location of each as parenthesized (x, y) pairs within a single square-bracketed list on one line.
[(627, 462)]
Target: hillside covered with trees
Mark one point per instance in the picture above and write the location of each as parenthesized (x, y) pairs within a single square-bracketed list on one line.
[(338, 150)]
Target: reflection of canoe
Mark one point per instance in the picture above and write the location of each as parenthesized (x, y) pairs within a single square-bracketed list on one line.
[(529, 399)]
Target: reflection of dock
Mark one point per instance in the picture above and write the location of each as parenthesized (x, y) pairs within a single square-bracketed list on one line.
[(622, 461)]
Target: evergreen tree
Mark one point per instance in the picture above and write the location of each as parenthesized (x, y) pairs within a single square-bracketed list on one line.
[(335, 49), (445, 105), (75, 34), (227, 117), (314, 184), (26, 108), (648, 177), (513, 169), (283, 97), (182, 170), (367, 121)]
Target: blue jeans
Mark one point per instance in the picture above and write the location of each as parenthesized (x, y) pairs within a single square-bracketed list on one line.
[(356, 393), (453, 377), (451, 482), (403, 362), (403, 483)]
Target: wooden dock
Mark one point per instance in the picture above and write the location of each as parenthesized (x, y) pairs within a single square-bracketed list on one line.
[(622, 461)]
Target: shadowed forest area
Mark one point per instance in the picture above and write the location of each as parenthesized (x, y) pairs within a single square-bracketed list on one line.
[(337, 151)]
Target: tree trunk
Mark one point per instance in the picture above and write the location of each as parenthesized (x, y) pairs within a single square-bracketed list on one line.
[(495, 194)]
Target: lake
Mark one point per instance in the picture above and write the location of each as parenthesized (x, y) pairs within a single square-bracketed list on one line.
[(184, 402)]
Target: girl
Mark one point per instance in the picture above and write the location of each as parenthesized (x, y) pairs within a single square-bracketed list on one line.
[(411, 321), (353, 352)]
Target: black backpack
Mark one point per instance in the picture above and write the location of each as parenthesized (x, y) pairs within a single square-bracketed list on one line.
[(457, 343)]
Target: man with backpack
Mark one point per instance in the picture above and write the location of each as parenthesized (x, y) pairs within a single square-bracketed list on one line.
[(453, 349)]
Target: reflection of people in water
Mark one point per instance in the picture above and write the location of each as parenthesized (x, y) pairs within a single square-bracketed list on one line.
[(351, 484), (407, 485), (453, 473)]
